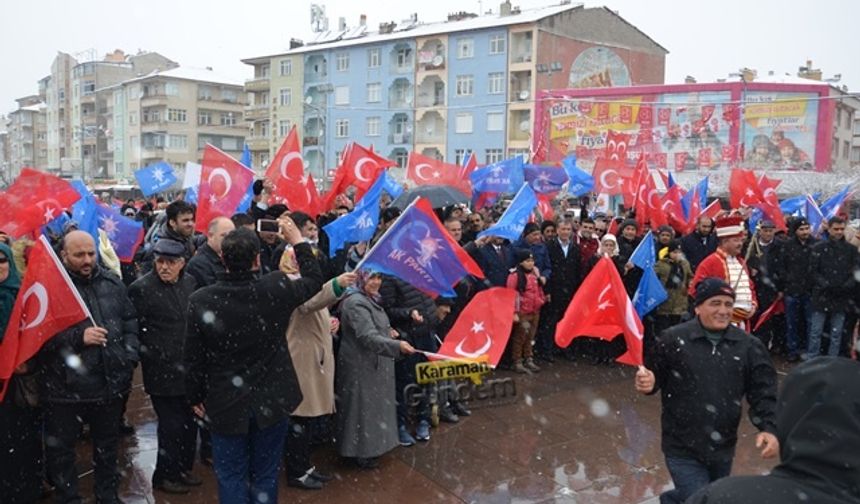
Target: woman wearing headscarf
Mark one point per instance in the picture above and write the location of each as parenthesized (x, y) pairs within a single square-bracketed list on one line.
[(364, 385), (20, 443), (607, 351), (309, 339)]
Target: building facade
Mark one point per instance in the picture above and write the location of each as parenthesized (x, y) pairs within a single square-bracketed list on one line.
[(443, 89), (27, 136)]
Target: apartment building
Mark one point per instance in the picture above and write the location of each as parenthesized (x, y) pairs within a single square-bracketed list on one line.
[(444, 88), (27, 136)]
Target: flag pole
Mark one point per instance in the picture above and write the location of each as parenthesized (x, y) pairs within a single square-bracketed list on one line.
[(381, 238)]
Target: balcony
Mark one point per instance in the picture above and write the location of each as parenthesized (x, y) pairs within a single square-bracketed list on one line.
[(153, 100), (313, 141), (400, 139), (257, 84), (431, 56), (153, 126), (258, 143), (400, 94), (521, 86), (152, 152), (430, 128), (431, 92), (316, 69), (256, 112)]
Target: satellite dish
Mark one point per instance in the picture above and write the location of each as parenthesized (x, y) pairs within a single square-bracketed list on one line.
[(525, 126), (524, 94), (437, 60)]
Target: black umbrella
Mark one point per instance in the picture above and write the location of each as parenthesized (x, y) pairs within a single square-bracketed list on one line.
[(439, 195)]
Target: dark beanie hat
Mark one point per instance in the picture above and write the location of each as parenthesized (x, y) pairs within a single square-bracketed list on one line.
[(522, 254), (530, 228), (710, 287), (628, 222), (258, 187), (674, 245), (797, 222)]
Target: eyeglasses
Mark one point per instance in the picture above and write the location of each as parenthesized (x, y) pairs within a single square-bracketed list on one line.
[(4, 260)]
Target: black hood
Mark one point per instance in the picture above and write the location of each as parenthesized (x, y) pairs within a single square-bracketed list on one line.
[(818, 426)]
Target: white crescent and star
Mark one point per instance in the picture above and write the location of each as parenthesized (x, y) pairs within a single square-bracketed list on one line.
[(285, 163), (601, 304), (651, 195), (358, 169), (222, 172), (38, 290), (603, 181), (418, 168), (472, 355)]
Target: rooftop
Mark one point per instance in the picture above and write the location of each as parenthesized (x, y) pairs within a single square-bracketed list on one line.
[(192, 74)]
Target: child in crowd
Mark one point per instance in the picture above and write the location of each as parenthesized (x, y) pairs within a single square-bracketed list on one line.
[(525, 280)]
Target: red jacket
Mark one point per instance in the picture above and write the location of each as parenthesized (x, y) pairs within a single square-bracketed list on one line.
[(533, 298)]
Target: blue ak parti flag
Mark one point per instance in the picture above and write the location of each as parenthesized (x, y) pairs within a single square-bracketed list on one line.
[(358, 225), (191, 195), (391, 186), (643, 256), (124, 234), (795, 205), (814, 215), (649, 294), (701, 190), (545, 179), (155, 178), (511, 224), (502, 177), (245, 202), (418, 250), (830, 207), (581, 182)]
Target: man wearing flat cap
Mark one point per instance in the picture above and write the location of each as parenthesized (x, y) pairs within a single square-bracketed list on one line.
[(161, 300), (728, 264), (704, 368)]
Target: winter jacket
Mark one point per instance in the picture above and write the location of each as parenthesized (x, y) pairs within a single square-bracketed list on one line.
[(702, 386), (541, 255), (532, 298), (494, 265), (832, 268), (791, 267), (697, 247), (399, 298), (104, 372), (569, 273), (817, 427), (235, 350), (677, 303), (163, 232), (161, 311), (205, 266)]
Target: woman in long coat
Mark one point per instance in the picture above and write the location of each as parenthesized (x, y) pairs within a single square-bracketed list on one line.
[(309, 339), (367, 410)]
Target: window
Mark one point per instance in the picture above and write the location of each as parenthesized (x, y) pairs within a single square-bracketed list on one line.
[(284, 127), (463, 122), (496, 83), (848, 120), (465, 48), (286, 97), (178, 142), (171, 89), (401, 157), (495, 121), (341, 61), (834, 148), (374, 58), (523, 153), (204, 118), (493, 155), (151, 115), (497, 44), (204, 93), (846, 149), (228, 119), (341, 128), (264, 71), (404, 58), (286, 67), (263, 129), (460, 156), (374, 92), (88, 88), (857, 127), (855, 154), (61, 95), (177, 115), (132, 118), (230, 143), (341, 95), (229, 96), (465, 85), (373, 126)]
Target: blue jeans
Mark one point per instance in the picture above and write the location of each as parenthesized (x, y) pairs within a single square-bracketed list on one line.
[(837, 320), (795, 307), (247, 465), (689, 475)]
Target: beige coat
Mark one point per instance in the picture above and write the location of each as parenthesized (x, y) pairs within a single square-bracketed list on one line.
[(310, 342)]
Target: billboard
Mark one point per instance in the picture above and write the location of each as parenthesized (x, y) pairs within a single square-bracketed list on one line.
[(770, 127)]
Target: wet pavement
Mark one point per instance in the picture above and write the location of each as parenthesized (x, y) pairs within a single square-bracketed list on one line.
[(575, 432)]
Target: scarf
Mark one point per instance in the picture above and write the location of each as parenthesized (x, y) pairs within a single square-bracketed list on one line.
[(362, 276), (610, 237), (8, 289), (288, 264)]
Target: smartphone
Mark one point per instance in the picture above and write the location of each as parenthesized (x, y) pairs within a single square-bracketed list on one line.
[(268, 225)]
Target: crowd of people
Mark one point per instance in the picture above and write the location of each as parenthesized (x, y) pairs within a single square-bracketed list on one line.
[(255, 345)]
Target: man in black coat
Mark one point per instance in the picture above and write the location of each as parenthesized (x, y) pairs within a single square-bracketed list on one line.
[(833, 264), (564, 255), (819, 436), (161, 300), (495, 256), (759, 256), (87, 371), (791, 275), (699, 244), (206, 264), (704, 368), (240, 374)]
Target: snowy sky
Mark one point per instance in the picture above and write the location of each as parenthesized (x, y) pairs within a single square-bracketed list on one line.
[(705, 39)]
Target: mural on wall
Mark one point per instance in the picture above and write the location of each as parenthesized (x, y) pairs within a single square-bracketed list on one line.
[(598, 67), (689, 128)]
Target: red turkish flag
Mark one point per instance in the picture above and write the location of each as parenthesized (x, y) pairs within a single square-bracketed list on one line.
[(483, 328), (609, 177), (425, 170), (713, 210), (464, 181), (47, 303), (223, 183), (601, 309), (744, 190), (361, 167), (292, 184), (545, 205), (33, 200), (671, 207), (770, 202)]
